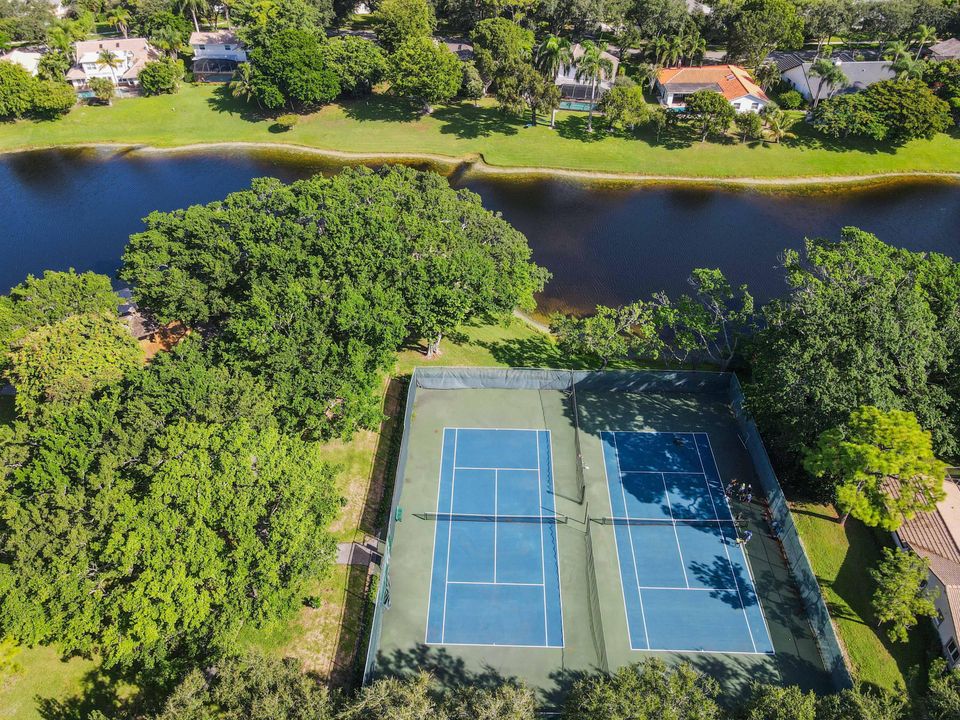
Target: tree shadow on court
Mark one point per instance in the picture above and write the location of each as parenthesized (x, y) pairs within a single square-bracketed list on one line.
[(728, 582), (448, 670)]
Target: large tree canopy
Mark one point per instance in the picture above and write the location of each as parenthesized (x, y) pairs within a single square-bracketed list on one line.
[(864, 324), (313, 286)]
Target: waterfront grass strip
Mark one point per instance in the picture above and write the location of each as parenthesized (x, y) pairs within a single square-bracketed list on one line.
[(383, 124)]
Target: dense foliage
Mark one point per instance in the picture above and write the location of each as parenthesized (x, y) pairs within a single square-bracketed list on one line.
[(290, 70), (358, 63), (23, 95), (425, 70), (894, 110), (863, 324), (313, 286), (161, 77)]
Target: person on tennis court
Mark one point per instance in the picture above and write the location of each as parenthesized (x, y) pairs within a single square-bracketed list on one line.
[(747, 534)]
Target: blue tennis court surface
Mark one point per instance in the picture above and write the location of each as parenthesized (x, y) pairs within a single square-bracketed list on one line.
[(686, 582), (495, 578)]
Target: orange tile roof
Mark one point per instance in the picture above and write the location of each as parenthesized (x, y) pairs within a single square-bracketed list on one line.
[(732, 80)]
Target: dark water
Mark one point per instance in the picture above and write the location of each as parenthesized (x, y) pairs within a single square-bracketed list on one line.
[(76, 208)]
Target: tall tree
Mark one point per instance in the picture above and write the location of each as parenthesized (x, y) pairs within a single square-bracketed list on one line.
[(830, 74), (883, 465), (119, 17), (761, 26), (520, 86), (943, 698), (551, 55), (901, 597), (708, 113), (594, 67), (398, 21), (289, 69), (863, 323), (775, 702), (610, 333), (923, 35), (106, 58), (425, 70)]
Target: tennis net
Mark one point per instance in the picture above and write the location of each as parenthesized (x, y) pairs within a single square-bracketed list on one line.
[(581, 483), (665, 521), (469, 517)]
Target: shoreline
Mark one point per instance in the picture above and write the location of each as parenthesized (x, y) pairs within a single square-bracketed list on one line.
[(476, 163)]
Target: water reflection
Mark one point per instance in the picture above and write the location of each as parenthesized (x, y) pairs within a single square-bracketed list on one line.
[(76, 208)]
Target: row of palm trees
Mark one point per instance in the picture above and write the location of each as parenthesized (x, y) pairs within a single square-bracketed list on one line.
[(592, 65)]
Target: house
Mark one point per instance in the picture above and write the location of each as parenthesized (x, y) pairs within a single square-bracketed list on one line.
[(936, 537), (945, 50), (861, 70), (218, 44), (572, 89), (131, 54), (732, 81), (216, 55), (28, 60)]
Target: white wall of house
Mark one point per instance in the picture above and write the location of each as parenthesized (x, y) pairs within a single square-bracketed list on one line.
[(747, 103), (797, 78), (945, 623), (222, 51), (93, 69), (567, 75)]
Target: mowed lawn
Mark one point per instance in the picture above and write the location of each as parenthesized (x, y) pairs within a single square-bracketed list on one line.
[(382, 124), (842, 558)]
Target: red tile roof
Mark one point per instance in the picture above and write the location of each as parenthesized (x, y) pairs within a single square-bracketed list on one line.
[(731, 80)]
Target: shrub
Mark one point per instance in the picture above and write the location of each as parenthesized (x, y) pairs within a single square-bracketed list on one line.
[(17, 91), (791, 100), (52, 98), (103, 89), (286, 122), (161, 77)]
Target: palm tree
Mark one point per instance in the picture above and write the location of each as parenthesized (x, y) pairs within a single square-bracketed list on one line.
[(676, 49), (169, 40), (647, 74), (906, 68), (696, 48), (107, 59), (193, 6), (768, 74), (594, 68), (896, 50), (658, 49), (829, 74), (924, 34), (59, 39), (551, 55), (119, 17), (242, 84), (779, 124)]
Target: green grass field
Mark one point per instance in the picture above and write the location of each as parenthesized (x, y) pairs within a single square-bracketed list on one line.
[(206, 114), (842, 558)]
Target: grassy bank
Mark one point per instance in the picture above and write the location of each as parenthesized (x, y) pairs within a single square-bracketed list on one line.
[(842, 558), (206, 114)]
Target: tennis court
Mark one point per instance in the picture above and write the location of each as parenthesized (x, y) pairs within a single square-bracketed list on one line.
[(686, 582), (529, 541), (495, 579)]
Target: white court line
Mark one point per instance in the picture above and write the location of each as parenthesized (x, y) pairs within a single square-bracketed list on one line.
[(657, 472), (543, 566), (496, 480), (733, 570), (676, 535), (691, 589), (556, 537), (443, 442), (474, 467), (743, 550), (446, 574), (478, 582), (633, 552), (664, 521)]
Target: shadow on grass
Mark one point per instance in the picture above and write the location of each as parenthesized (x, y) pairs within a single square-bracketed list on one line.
[(222, 101), (574, 127), (467, 122), (854, 585), (383, 107), (99, 690)]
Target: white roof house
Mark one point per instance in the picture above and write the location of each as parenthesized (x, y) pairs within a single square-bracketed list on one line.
[(861, 74), (571, 87), (131, 55), (218, 44), (936, 537), (675, 84), (28, 60)]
